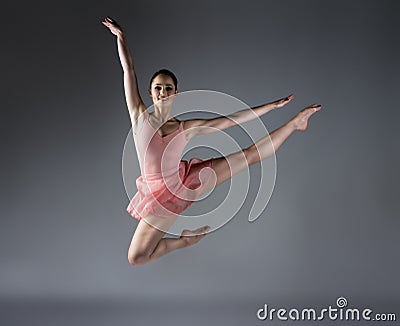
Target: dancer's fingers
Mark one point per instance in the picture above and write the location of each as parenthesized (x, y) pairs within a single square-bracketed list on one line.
[(314, 106), (287, 99)]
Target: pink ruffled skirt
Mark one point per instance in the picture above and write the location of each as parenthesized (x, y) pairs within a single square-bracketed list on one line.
[(170, 195)]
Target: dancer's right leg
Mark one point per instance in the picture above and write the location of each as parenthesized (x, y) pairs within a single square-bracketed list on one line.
[(148, 244)]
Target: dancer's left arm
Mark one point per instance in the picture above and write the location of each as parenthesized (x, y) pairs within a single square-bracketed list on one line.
[(235, 118)]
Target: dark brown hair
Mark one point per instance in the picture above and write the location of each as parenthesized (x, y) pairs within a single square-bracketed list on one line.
[(165, 72)]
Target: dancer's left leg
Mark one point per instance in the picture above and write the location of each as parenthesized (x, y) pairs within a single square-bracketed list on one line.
[(227, 167)]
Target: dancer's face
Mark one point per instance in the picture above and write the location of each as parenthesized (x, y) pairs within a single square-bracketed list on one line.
[(162, 90)]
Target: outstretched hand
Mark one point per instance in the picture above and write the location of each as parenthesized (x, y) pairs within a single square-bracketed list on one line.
[(112, 25), (282, 102)]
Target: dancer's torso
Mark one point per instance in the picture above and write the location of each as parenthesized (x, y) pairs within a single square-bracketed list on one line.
[(158, 154)]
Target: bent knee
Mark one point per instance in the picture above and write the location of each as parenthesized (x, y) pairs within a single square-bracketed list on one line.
[(138, 258)]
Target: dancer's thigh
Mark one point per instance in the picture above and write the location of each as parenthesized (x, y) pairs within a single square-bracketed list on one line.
[(226, 167)]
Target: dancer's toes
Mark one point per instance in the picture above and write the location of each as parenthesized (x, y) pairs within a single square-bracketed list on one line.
[(301, 120), (193, 236)]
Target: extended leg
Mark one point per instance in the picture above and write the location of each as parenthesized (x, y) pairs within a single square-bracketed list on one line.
[(226, 167)]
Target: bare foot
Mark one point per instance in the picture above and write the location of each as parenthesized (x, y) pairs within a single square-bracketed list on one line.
[(192, 237), (301, 119)]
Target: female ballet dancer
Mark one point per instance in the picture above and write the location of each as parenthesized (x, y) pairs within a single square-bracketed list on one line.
[(147, 242)]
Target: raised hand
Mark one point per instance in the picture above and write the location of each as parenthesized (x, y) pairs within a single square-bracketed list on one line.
[(112, 25), (282, 102)]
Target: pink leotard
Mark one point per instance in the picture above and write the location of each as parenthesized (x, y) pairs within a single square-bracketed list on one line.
[(167, 185)]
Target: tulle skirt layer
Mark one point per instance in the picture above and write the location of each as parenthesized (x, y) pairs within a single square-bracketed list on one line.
[(167, 196)]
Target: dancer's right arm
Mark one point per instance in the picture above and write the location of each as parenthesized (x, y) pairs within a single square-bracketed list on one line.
[(133, 100)]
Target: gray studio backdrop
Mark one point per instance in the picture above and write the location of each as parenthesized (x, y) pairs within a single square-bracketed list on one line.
[(332, 225)]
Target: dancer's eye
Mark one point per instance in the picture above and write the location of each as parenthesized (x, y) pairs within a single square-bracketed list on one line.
[(158, 88), (169, 88)]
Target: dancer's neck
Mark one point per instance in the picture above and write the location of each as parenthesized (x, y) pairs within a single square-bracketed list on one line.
[(161, 116)]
